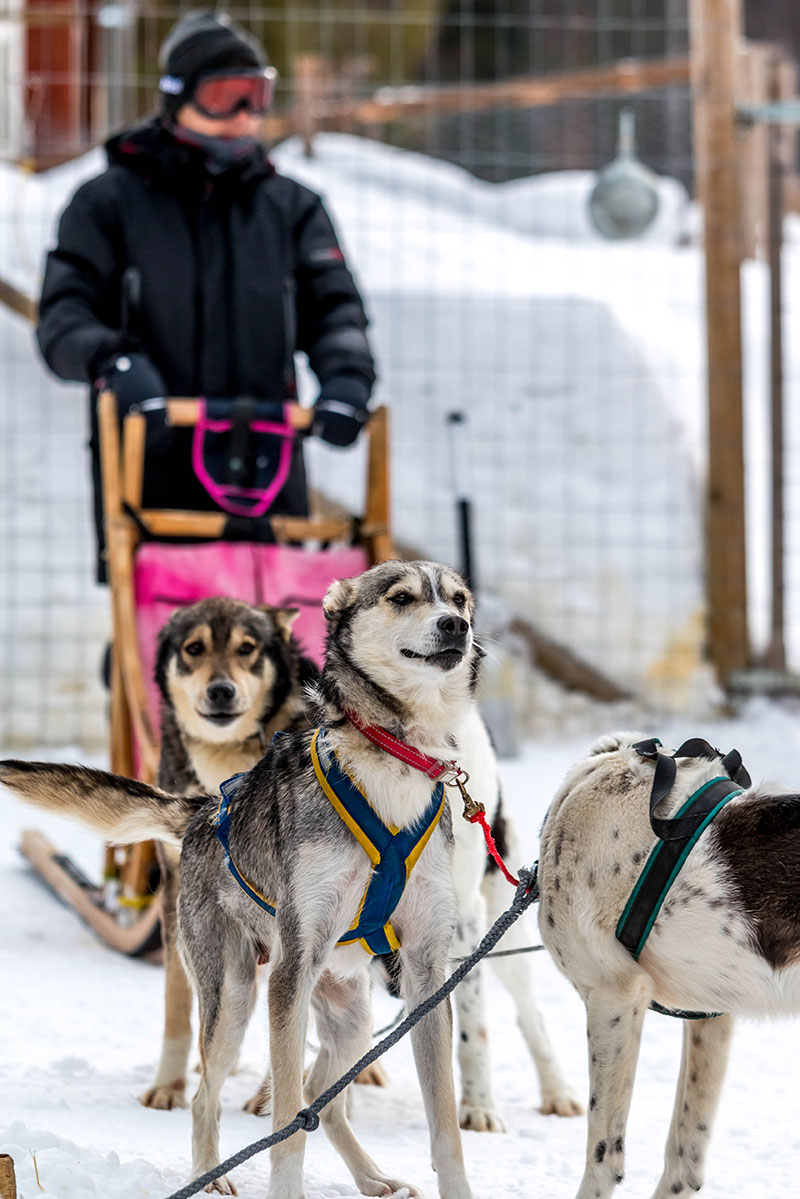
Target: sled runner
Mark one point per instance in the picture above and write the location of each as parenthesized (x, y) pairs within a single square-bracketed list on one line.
[(163, 558)]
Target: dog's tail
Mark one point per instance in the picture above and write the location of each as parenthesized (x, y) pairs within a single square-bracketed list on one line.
[(122, 810)]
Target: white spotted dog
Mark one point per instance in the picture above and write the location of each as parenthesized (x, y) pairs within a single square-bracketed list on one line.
[(483, 894), (332, 848), (675, 903)]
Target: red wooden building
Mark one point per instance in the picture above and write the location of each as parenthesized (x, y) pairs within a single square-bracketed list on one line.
[(64, 68)]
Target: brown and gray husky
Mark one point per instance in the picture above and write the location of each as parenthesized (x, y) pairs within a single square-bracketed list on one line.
[(230, 675), (400, 656)]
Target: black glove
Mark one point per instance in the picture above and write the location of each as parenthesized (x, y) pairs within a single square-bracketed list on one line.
[(132, 377), (340, 412)]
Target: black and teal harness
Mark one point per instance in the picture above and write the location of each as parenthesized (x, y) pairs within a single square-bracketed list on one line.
[(677, 836), (393, 852)]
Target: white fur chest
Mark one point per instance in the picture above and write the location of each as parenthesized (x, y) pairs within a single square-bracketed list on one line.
[(398, 793), (214, 763)]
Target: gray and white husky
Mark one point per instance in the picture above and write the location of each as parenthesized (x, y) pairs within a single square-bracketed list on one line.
[(726, 938), (400, 655)]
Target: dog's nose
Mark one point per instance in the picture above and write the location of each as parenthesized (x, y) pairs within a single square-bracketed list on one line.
[(452, 625), (221, 693)]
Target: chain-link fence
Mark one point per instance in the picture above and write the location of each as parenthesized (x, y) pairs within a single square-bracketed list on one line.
[(458, 147)]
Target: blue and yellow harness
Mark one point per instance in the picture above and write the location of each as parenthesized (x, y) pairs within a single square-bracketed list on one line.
[(393, 852)]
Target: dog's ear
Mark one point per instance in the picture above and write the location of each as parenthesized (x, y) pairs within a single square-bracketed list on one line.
[(284, 618), (337, 597), (164, 650)]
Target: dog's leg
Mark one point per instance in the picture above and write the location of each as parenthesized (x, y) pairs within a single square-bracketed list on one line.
[(705, 1057), (344, 1021), (223, 966), (516, 975), (614, 1018), (477, 1109), (432, 1041), (373, 1075), (291, 981), (169, 1088)]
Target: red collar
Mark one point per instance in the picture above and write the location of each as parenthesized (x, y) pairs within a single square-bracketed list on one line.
[(438, 772), (433, 768)]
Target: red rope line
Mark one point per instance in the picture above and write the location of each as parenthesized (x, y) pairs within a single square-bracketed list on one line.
[(480, 818), (433, 769)]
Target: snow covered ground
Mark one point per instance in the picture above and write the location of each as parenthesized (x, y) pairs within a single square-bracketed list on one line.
[(79, 1032)]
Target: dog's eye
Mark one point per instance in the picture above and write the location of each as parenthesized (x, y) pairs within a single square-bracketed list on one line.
[(401, 598), (246, 648), (194, 649), (459, 599)]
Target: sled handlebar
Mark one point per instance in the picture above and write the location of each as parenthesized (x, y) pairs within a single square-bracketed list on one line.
[(184, 412)]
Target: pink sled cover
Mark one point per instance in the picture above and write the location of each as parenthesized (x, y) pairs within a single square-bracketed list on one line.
[(171, 576)]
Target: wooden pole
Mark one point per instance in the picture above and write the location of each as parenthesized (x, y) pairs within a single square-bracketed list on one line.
[(8, 1182), (17, 301), (308, 81), (377, 523), (752, 87), (714, 29), (314, 107), (775, 656)]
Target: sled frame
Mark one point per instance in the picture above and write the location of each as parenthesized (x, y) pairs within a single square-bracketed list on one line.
[(124, 910)]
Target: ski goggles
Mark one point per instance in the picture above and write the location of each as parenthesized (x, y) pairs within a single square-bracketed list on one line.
[(224, 94)]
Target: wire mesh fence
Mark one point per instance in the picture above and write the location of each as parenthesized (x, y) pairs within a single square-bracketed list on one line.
[(457, 146)]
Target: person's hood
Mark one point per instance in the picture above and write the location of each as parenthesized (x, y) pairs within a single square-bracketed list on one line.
[(156, 148)]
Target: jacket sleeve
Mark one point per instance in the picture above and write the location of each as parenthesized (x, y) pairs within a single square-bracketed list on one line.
[(331, 323), (79, 305)]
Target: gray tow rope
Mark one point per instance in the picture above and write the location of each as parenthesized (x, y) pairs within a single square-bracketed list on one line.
[(308, 1118)]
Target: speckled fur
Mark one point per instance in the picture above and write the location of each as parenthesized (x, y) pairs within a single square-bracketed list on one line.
[(714, 947)]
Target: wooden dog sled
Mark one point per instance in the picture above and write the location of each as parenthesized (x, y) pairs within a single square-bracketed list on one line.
[(124, 909)]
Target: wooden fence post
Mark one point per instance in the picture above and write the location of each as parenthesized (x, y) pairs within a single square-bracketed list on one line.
[(309, 80), (8, 1181), (780, 153), (753, 67), (714, 29)]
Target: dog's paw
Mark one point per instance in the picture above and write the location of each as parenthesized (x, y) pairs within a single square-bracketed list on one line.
[(673, 1182), (479, 1119), (384, 1186), (221, 1186), (165, 1098), (561, 1103), (373, 1075)]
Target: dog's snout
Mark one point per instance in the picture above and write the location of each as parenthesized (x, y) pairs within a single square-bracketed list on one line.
[(452, 625), (220, 693)]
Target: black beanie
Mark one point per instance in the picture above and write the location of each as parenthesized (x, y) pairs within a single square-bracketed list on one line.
[(199, 43)]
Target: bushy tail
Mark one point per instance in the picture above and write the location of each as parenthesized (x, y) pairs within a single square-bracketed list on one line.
[(122, 810)]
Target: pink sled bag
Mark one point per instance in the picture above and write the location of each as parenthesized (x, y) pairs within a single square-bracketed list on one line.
[(170, 576)]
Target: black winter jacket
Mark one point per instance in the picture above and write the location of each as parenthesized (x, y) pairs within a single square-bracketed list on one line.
[(238, 271)]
